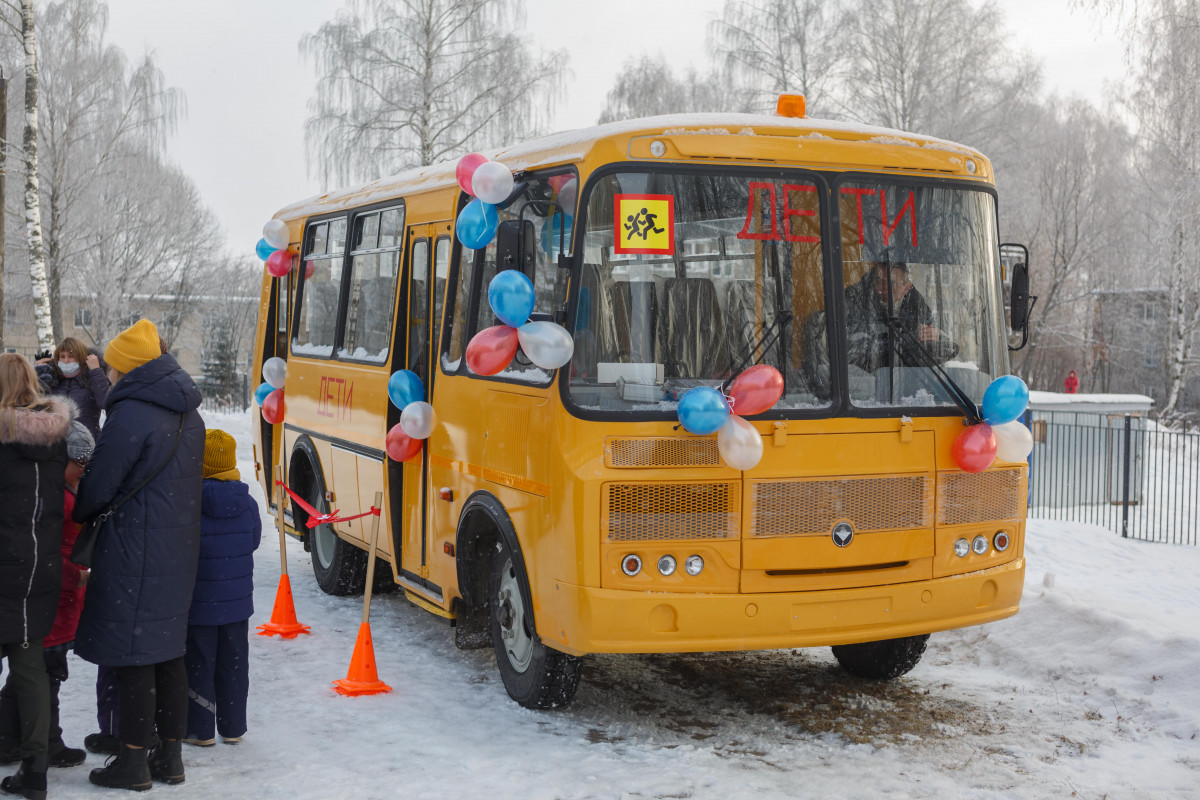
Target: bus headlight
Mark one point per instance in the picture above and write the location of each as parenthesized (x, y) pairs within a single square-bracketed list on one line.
[(631, 565), (980, 545), (693, 565), (666, 565), (961, 548)]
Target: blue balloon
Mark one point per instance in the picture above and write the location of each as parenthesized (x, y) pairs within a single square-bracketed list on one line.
[(264, 250), (1004, 400), (261, 393), (703, 410), (510, 294), (405, 387), (477, 224)]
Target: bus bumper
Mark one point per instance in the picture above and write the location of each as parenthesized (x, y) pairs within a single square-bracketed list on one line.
[(591, 620)]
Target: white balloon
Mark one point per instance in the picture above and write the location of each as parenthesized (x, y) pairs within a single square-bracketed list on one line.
[(546, 344), (275, 372), (1014, 442), (739, 443), (567, 196), (276, 233), (492, 182), (418, 419)]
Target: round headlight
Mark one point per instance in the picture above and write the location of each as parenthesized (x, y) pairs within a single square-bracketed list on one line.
[(980, 545), (970, 166), (693, 565), (961, 548), (658, 149), (1000, 541), (631, 565), (666, 565)]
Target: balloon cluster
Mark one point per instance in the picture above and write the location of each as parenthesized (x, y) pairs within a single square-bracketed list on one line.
[(489, 182), (1001, 435), (511, 296), (269, 394), (273, 248), (417, 418), (704, 410)]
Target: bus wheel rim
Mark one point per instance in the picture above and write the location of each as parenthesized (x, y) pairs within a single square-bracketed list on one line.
[(518, 644), (323, 543)]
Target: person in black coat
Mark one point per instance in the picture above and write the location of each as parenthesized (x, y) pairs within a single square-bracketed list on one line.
[(869, 303), (33, 459), (76, 372), (135, 614)]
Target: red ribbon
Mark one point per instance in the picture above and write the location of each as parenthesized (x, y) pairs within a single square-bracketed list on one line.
[(315, 517)]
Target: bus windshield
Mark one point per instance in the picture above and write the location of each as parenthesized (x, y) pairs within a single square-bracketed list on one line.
[(688, 278)]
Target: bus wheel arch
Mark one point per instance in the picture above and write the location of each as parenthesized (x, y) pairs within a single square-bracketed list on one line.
[(496, 590), (339, 567)]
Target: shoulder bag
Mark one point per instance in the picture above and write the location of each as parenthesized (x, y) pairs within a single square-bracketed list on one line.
[(89, 531)]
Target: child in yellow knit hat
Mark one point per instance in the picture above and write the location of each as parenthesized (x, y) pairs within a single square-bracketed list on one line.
[(217, 654)]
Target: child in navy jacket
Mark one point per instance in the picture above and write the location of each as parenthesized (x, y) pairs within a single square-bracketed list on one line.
[(217, 654)]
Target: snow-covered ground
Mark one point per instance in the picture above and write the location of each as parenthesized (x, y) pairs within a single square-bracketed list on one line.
[(1091, 691)]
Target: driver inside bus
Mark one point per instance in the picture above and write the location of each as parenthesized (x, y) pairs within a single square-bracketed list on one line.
[(867, 312)]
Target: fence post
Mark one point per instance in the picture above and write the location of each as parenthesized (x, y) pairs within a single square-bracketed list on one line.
[(1125, 482)]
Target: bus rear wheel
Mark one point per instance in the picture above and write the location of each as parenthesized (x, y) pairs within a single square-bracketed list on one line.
[(340, 567), (534, 675), (882, 660)]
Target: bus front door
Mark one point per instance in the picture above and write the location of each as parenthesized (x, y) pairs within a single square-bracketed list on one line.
[(428, 260)]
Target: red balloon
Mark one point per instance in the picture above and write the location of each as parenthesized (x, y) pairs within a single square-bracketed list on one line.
[(309, 270), (975, 448), (491, 350), (558, 181), (279, 263), (756, 390), (400, 446), (465, 170), (273, 407)]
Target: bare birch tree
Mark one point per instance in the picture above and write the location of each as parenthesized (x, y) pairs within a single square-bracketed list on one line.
[(942, 67), (769, 47), (647, 86), (405, 83), (43, 318), (95, 109)]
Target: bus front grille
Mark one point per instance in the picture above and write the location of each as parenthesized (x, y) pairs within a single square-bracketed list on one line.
[(991, 496), (812, 506), (662, 451), (640, 512)]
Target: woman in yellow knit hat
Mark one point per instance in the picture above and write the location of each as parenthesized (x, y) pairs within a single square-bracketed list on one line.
[(149, 458)]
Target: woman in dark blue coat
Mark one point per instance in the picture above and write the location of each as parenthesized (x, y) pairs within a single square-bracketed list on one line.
[(76, 373), (135, 614)]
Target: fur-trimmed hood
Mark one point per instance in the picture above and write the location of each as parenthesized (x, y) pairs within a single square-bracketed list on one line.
[(46, 423)]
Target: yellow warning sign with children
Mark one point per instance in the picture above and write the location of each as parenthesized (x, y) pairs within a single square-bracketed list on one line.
[(644, 223)]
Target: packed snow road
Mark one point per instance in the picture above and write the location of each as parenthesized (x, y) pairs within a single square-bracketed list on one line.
[(1089, 692)]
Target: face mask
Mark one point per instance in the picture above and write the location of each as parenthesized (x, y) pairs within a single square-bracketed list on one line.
[(68, 369)]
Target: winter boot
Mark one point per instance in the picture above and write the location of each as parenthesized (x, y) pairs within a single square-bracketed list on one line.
[(30, 779), (63, 756), (126, 770), (166, 762), (102, 744)]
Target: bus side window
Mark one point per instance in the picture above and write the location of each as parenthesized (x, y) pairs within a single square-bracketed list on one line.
[(320, 291), (460, 307), (372, 286)]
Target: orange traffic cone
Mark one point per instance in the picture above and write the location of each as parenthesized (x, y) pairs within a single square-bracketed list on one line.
[(283, 616), (362, 678)]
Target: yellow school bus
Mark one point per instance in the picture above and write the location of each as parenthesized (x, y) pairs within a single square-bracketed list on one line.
[(557, 513)]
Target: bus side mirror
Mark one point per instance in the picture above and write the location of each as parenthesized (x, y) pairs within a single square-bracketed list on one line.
[(515, 243), (1015, 258), (1020, 297)]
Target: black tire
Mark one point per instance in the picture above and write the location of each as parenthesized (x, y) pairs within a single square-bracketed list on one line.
[(534, 675), (881, 660), (340, 567)]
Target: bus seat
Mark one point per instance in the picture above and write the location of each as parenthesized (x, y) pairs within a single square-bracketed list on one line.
[(739, 306), (693, 340)]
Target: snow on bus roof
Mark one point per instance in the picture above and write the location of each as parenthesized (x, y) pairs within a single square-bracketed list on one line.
[(572, 145)]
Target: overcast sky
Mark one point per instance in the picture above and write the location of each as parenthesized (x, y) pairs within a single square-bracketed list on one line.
[(247, 88)]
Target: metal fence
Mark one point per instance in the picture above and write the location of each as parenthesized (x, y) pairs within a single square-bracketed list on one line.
[(1120, 471)]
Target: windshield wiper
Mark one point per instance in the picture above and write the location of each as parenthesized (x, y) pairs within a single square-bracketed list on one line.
[(765, 341), (925, 359)]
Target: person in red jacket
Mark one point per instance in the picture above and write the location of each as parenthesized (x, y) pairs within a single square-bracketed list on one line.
[(62, 636), (1071, 384)]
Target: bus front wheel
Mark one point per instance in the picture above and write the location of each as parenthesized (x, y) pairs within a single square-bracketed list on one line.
[(881, 660), (534, 675)]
